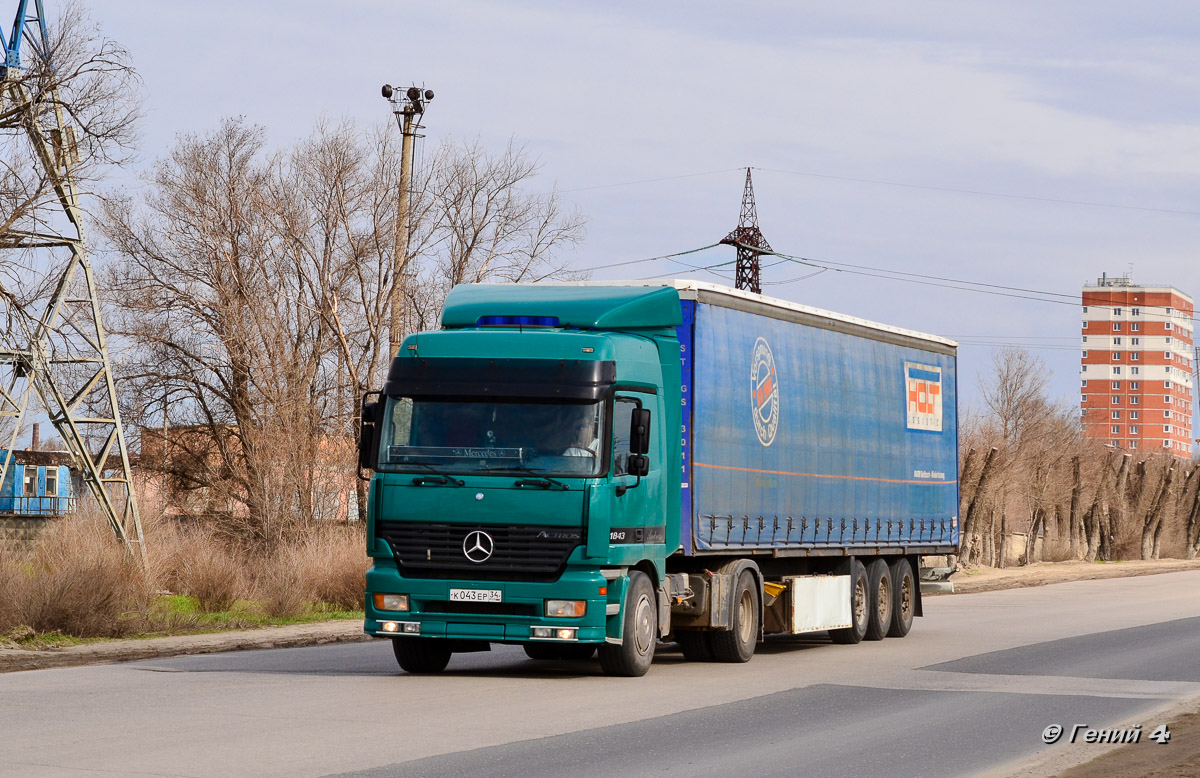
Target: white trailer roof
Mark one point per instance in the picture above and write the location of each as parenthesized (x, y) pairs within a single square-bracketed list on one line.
[(694, 290)]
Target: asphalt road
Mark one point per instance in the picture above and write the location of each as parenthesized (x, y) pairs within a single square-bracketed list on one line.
[(969, 690)]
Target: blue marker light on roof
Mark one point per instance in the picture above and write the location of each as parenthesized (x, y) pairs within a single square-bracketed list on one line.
[(517, 321)]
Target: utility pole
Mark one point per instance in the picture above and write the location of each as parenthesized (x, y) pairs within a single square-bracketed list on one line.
[(408, 109), (749, 242)]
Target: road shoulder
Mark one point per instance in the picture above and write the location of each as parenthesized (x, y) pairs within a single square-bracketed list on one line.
[(107, 652)]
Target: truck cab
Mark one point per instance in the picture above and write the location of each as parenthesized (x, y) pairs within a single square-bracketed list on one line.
[(523, 477)]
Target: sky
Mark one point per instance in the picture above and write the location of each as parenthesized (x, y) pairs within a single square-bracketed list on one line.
[(1022, 144)]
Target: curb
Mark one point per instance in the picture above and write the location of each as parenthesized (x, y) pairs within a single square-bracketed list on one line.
[(110, 652)]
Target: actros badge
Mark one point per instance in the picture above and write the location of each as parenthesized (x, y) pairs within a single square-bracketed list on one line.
[(764, 389), (478, 546)]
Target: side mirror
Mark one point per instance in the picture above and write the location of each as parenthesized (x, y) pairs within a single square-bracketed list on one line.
[(638, 464), (366, 433), (639, 431)]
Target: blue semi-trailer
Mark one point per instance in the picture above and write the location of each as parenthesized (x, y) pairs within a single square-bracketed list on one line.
[(736, 465)]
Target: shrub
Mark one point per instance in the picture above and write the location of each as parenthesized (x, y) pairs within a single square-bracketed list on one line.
[(337, 561), (324, 564), (76, 580), (209, 570)]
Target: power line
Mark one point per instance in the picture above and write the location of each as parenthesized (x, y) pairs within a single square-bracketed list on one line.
[(944, 282), (654, 259), (964, 286), (1028, 337), (934, 278)]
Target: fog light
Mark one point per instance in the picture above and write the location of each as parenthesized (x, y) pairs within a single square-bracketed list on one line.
[(391, 602), (553, 633), (566, 609), (411, 627), (389, 626)]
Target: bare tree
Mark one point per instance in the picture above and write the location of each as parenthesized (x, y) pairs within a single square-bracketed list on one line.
[(87, 78), (253, 288), (1016, 396), (1153, 522), (480, 224)]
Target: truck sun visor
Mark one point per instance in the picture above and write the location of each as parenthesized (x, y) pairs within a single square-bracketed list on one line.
[(568, 379)]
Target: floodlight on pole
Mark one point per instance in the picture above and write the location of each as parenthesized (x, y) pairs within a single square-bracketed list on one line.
[(408, 106)]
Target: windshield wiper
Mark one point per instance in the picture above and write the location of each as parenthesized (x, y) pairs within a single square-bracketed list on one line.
[(438, 477), (543, 481)]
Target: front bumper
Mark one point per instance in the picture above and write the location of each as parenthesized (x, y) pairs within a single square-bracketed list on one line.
[(428, 599)]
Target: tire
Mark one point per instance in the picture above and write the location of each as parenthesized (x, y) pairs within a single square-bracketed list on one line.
[(633, 656), (879, 583), (421, 655), (695, 645), (576, 652), (737, 644), (859, 601), (904, 600)]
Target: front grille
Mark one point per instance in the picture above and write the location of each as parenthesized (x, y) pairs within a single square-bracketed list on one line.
[(480, 608), (521, 553)]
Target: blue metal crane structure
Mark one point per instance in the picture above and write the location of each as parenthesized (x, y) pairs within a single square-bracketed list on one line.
[(54, 347)]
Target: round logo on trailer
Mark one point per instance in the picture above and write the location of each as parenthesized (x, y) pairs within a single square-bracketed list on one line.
[(764, 390)]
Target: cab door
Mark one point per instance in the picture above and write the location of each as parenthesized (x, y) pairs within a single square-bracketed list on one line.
[(634, 520)]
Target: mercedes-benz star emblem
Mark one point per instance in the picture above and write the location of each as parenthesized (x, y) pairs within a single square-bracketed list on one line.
[(478, 546)]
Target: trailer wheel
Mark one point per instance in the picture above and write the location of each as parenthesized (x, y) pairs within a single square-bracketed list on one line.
[(860, 599), (421, 655), (632, 657), (737, 644), (904, 602), (879, 582), (695, 645), (576, 652)]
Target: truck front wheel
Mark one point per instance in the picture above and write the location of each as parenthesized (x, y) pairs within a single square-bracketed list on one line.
[(632, 657), (737, 644), (421, 655)]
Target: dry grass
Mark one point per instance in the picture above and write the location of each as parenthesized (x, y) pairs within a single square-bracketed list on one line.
[(323, 565), (75, 580), (78, 581), (212, 573)]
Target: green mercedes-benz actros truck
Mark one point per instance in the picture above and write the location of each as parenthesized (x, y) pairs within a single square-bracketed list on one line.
[(601, 468)]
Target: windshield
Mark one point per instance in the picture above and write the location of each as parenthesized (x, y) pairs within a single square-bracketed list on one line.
[(480, 436)]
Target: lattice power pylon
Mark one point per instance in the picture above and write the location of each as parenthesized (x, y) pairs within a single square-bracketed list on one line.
[(53, 346), (749, 242)]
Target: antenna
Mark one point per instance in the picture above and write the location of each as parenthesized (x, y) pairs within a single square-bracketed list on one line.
[(749, 241), (59, 354)]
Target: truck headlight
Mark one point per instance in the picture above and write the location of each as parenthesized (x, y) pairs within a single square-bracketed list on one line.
[(565, 609), (391, 602)]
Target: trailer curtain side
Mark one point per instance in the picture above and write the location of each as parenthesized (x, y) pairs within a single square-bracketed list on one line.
[(810, 435)]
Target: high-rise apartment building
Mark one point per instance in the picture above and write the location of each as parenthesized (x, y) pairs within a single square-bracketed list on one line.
[(1137, 366)]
